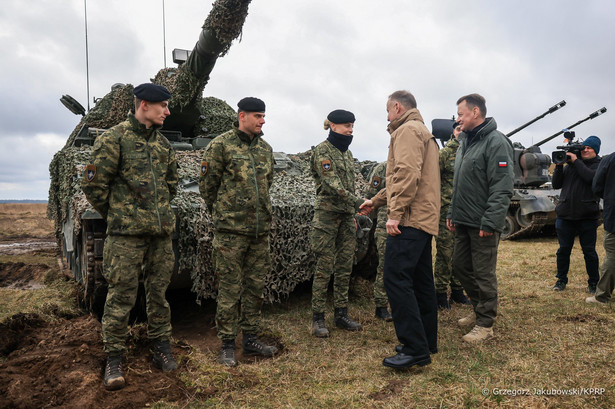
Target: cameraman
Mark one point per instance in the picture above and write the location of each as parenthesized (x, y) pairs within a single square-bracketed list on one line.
[(577, 212)]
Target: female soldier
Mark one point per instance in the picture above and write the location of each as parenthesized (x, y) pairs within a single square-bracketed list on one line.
[(333, 229)]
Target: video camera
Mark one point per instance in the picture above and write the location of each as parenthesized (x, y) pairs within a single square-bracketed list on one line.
[(560, 156)]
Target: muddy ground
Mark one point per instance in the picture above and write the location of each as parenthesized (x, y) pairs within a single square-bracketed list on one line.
[(60, 364)]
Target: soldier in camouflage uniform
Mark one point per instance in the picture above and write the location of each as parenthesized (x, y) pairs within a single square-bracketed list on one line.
[(377, 182), (236, 174), (131, 181), (333, 236), (443, 269)]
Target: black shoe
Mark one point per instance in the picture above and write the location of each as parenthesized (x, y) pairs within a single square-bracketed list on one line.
[(342, 320), (402, 360), (591, 288), (252, 346), (443, 303), (227, 353), (457, 296), (319, 328), (559, 286), (400, 348), (384, 314), (114, 376), (163, 357)]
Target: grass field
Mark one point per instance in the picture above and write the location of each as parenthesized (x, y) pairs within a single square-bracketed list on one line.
[(550, 350)]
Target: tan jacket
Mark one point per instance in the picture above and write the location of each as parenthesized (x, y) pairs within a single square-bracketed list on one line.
[(412, 192)]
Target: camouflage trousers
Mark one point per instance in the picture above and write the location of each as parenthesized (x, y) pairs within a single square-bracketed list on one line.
[(443, 268), (125, 259), (242, 263), (333, 240), (380, 295)]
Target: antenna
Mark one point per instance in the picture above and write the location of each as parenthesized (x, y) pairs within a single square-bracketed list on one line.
[(87, 61), (164, 36)]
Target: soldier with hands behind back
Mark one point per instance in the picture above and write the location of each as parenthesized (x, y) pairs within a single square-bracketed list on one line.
[(131, 181), (236, 175)]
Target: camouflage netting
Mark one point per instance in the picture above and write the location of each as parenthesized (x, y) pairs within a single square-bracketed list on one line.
[(226, 20), (66, 199), (292, 197), (108, 111), (184, 86), (220, 116)]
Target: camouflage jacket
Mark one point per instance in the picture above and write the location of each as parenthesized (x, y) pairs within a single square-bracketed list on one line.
[(334, 174), (236, 174), (447, 169), (132, 179), (377, 182)]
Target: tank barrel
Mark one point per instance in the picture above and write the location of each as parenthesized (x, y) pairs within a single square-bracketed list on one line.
[(539, 117), (590, 116)]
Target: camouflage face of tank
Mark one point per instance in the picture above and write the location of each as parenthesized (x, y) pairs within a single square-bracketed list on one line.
[(333, 241), (241, 263), (123, 258)]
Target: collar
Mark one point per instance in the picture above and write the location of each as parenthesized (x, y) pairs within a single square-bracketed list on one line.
[(341, 142)]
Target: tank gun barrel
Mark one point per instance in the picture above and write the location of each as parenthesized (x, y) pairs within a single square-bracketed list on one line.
[(590, 116), (539, 117)]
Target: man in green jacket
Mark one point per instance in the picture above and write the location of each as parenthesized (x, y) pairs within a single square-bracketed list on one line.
[(131, 181), (236, 174), (482, 188)]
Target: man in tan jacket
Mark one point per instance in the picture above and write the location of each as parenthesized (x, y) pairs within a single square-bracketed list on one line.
[(412, 196)]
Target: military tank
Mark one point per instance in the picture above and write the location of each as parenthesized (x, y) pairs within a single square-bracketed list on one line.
[(532, 206), (194, 121)]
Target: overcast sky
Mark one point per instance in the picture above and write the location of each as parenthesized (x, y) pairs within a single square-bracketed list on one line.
[(305, 58)]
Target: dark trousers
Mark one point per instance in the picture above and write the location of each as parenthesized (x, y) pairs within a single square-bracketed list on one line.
[(408, 280), (474, 262), (567, 230)]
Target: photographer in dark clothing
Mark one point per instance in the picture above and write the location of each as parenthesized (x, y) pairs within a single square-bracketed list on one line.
[(577, 212)]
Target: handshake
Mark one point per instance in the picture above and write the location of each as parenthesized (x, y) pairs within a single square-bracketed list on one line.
[(366, 208)]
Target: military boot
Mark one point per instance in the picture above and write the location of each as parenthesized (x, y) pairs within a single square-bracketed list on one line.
[(319, 328), (342, 320), (443, 303), (457, 296), (114, 376), (227, 353), (252, 346), (384, 314), (163, 357)]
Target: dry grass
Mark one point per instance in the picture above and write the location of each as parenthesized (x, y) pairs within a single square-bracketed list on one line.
[(19, 220), (545, 341)]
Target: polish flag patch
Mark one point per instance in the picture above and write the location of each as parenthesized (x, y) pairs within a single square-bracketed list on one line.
[(502, 164)]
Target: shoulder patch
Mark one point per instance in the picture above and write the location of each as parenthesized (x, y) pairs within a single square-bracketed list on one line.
[(326, 165), (376, 181), (90, 172), (204, 168)]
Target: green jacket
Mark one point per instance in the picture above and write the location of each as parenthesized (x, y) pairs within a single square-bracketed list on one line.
[(483, 180), (447, 170), (236, 174), (334, 174), (132, 179)]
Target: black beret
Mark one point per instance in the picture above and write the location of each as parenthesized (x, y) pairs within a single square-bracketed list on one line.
[(339, 116), (251, 104), (152, 92)]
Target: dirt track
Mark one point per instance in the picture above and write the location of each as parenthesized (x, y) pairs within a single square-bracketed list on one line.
[(60, 364)]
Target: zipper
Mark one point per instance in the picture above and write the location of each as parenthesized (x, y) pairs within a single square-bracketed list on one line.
[(151, 167)]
